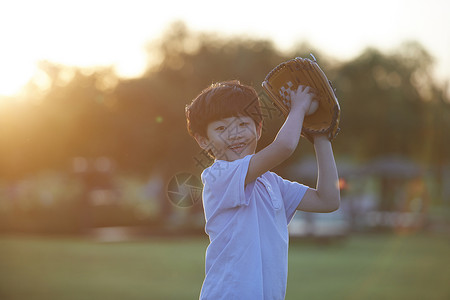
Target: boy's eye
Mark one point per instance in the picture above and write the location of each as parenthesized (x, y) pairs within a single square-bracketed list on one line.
[(243, 124), (220, 128)]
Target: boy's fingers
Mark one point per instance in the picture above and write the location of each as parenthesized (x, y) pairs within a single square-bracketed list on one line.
[(304, 90), (292, 94), (299, 88)]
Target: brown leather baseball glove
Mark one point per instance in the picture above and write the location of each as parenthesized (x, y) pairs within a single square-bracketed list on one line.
[(287, 76)]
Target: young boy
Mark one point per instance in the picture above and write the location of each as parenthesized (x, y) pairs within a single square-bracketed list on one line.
[(247, 207)]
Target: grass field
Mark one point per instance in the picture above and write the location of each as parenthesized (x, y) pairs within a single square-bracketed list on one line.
[(363, 267)]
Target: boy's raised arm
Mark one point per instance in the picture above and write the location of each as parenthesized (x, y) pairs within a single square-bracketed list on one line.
[(287, 138), (326, 196)]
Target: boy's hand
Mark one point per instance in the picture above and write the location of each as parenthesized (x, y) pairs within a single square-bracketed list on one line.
[(301, 99)]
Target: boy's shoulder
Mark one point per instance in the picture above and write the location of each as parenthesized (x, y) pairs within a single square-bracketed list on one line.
[(226, 173), (221, 170)]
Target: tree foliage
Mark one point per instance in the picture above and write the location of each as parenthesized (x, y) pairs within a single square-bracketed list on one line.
[(390, 105)]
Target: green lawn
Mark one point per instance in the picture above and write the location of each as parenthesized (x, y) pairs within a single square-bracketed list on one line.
[(363, 267)]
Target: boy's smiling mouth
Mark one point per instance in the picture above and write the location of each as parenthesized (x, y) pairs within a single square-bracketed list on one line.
[(237, 147)]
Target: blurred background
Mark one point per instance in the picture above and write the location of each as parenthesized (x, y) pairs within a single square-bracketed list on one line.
[(92, 133)]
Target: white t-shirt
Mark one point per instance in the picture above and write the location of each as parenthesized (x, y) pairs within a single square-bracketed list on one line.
[(247, 227)]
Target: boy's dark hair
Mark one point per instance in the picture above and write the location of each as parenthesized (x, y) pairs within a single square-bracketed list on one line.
[(222, 100)]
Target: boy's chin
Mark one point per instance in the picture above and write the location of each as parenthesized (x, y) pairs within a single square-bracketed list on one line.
[(234, 155)]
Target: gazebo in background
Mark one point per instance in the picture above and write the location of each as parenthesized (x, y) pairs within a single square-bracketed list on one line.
[(385, 193)]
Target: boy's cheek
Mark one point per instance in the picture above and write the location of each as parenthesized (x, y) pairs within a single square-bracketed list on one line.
[(202, 141)]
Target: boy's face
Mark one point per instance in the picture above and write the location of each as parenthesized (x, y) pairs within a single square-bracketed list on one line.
[(231, 138)]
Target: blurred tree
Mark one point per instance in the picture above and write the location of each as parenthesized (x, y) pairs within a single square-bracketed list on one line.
[(384, 104), (47, 129), (390, 105)]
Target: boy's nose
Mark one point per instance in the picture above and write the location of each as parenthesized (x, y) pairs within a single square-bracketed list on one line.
[(234, 134)]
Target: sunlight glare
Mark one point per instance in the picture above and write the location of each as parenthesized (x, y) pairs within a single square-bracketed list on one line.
[(103, 33), (14, 73)]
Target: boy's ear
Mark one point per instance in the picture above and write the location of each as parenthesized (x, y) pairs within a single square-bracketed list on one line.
[(259, 130), (202, 141)]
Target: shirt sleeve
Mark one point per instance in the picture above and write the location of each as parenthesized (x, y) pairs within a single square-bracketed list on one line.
[(224, 183), (292, 193)]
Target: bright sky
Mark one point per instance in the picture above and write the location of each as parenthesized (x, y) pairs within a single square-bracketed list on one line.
[(88, 33)]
